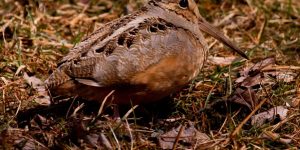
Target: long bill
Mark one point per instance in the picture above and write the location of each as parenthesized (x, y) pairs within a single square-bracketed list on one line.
[(214, 32)]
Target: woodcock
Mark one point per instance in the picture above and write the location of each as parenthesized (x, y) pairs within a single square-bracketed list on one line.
[(143, 57)]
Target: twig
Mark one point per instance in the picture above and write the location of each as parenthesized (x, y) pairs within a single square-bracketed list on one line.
[(131, 137), (125, 116), (129, 112), (178, 137), (69, 109), (261, 31), (237, 130), (20, 103), (104, 101), (275, 68), (77, 109), (223, 124), (115, 137), (209, 95)]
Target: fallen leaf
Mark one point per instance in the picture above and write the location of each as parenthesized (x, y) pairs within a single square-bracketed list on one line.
[(14, 138), (93, 140), (252, 76), (104, 141), (256, 76), (43, 98), (244, 96), (275, 137), (267, 116), (259, 73), (286, 76), (35, 82), (189, 135), (222, 61)]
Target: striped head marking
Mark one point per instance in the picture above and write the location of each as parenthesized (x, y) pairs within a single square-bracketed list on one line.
[(187, 9)]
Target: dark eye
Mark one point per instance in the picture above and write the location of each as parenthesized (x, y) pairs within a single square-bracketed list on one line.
[(184, 3)]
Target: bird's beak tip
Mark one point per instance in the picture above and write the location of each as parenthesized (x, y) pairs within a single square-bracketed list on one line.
[(214, 32)]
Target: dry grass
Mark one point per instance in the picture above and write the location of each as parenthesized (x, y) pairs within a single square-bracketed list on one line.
[(34, 35)]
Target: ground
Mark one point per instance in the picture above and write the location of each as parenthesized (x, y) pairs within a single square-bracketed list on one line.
[(232, 104)]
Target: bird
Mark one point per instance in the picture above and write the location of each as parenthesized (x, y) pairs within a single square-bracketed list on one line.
[(139, 58)]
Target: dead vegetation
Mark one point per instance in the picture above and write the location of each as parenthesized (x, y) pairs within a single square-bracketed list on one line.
[(233, 104)]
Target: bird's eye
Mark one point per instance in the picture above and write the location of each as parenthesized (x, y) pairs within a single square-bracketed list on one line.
[(184, 3)]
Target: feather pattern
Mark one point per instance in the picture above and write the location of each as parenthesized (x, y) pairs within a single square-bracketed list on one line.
[(143, 56)]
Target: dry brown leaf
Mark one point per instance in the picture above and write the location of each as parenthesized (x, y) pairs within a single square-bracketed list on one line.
[(245, 96), (189, 135), (269, 115), (252, 76), (222, 61), (275, 137), (260, 74), (93, 140), (104, 141), (20, 139), (43, 98)]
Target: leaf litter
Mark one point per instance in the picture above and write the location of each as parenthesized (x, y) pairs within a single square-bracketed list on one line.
[(187, 135), (35, 35)]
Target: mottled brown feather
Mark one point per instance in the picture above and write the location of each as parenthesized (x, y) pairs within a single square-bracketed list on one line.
[(143, 57)]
